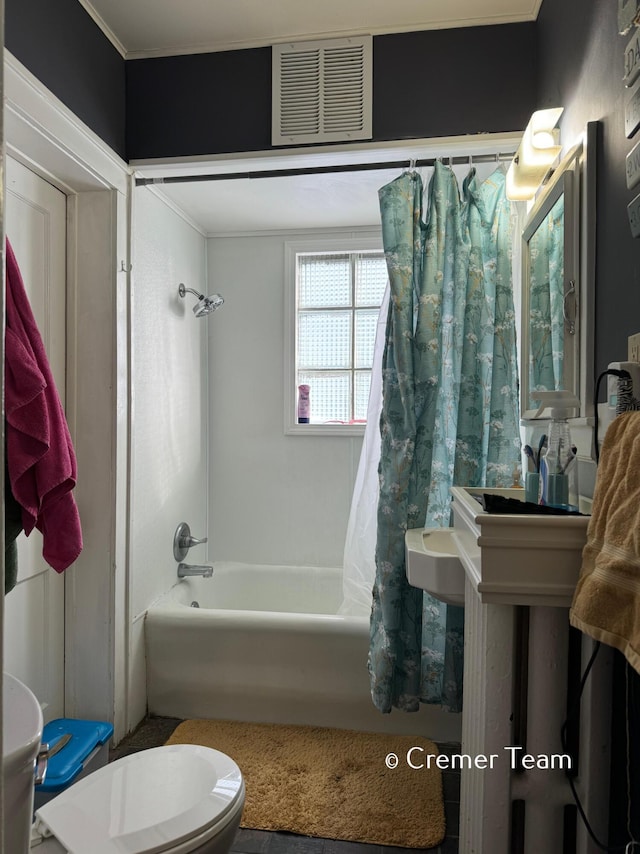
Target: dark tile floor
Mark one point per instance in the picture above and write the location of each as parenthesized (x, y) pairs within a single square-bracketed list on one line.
[(153, 732)]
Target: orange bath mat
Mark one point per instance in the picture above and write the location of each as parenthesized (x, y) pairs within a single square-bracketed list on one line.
[(330, 783)]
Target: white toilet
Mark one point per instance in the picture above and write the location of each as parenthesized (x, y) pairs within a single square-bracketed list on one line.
[(21, 735), (176, 799)]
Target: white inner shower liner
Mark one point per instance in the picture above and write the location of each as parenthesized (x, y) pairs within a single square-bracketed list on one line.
[(267, 644)]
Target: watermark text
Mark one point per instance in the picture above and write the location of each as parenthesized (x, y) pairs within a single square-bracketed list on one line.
[(417, 758)]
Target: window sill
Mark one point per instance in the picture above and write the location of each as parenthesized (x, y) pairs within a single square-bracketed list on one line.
[(352, 430)]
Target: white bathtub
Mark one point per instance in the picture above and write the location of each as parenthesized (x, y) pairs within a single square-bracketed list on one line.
[(266, 644)]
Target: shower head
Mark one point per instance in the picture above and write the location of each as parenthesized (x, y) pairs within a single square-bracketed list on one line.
[(205, 305)]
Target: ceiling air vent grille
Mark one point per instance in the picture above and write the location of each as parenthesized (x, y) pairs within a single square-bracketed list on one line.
[(322, 91)]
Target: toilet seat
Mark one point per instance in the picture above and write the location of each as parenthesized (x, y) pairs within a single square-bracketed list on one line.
[(154, 801)]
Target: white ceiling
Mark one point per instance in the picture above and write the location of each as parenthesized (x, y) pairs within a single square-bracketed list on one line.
[(142, 28), (324, 201), (148, 28), (327, 200)]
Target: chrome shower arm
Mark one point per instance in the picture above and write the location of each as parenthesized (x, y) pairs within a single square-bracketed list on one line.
[(183, 289)]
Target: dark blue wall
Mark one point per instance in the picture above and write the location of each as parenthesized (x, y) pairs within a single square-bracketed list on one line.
[(580, 66), (425, 84), (584, 73), (453, 82), (199, 104), (62, 46)]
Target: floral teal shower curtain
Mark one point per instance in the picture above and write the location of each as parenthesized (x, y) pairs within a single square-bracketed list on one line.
[(449, 414)]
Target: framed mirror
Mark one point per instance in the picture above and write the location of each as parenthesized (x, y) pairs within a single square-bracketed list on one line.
[(557, 283)]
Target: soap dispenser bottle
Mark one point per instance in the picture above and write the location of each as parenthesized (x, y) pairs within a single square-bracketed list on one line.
[(559, 464)]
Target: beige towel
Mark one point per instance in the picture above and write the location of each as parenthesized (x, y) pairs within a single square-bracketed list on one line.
[(606, 603)]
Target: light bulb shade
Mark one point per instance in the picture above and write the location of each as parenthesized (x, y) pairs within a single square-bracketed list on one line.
[(536, 154), (544, 138)]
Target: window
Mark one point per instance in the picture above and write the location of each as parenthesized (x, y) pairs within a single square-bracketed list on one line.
[(337, 302)]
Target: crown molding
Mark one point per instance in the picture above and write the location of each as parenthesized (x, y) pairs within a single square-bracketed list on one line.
[(106, 29)]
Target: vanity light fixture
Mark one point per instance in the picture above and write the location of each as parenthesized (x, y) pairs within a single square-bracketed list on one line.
[(539, 148)]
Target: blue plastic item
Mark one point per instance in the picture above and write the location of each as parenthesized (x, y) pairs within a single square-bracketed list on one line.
[(68, 763)]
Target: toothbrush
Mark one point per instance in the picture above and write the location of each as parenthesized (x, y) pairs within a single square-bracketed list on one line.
[(541, 444), (574, 452), (530, 453)]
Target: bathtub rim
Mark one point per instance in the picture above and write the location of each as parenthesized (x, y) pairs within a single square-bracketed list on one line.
[(184, 591)]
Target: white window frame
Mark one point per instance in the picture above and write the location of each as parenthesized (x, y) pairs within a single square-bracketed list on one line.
[(368, 241)]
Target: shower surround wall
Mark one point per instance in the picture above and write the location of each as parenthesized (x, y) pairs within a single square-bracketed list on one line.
[(273, 498), (169, 412)]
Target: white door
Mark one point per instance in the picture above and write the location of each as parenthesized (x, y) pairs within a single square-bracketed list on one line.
[(35, 217)]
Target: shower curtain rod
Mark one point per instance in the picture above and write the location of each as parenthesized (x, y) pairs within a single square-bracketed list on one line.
[(323, 170)]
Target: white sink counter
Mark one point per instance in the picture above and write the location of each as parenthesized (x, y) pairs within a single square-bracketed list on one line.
[(517, 559)]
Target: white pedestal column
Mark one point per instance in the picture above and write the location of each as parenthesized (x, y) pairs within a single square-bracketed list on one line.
[(490, 678), (485, 795)]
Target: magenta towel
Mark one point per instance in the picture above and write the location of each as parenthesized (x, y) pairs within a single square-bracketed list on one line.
[(40, 456)]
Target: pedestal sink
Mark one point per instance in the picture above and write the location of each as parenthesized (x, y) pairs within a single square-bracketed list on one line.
[(433, 564), (521, 571)]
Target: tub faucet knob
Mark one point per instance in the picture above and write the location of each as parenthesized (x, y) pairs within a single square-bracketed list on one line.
[(192, 541), (183, 541)]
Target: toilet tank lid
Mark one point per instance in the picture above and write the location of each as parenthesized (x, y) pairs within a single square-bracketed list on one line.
[(145, 803), (21, 720)]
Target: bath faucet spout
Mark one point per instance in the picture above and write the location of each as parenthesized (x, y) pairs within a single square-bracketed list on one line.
[(185, 570)]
